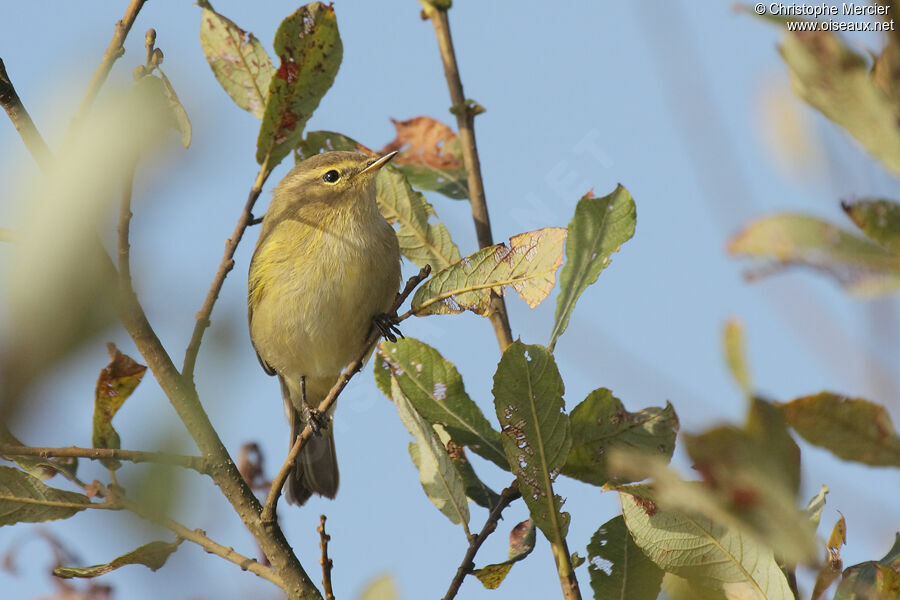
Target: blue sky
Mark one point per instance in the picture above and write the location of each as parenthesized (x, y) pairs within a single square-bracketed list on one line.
[(671, 99)]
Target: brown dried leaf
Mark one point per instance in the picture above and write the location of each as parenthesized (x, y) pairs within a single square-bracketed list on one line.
[(115, 384), (423, 141)]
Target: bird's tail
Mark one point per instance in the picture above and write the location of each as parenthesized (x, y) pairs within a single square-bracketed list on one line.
[(315, 468)]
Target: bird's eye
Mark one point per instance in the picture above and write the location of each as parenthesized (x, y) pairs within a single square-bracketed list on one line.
[(331, 176)]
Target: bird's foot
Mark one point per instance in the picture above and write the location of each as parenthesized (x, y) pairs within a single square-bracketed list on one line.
[(387, 325), (316, 420)]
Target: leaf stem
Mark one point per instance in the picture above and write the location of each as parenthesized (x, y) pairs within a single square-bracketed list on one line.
[(268, 512), (196, 463), (465, 122), (564, 569), (507, 496)]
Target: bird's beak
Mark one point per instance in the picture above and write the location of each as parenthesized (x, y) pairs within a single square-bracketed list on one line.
[(379, 162)]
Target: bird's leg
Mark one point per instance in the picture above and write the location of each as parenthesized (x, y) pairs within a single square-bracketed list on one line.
[(317, 421), (387, 325)]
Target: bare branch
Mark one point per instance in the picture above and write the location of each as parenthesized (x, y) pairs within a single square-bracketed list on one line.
[(326, 562), (465, 122), (268, 513), (112, 54), (507, 496), (225, 266), (196, 463), (20, 118)]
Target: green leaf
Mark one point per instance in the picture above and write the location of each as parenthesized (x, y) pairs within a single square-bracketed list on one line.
[(115, 384), (701, 550), (41, 468), (521, 543), (476, 490), (528, 264), (878, 219), (535, 430), (872, 580), (153, 555), (436, 390), (439, 478), (852, 428), (430, 156), (382, 587), (836, 80), (238, 60), (24, 499), (679, 588), (861, 266), (618, 568), (601, 423), (598, 229), (420, 241), (310, 49), (816, 505), (733, 341), (182, 122)]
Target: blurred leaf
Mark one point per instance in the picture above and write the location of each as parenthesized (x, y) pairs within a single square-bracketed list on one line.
[(534, 430), (435, 388), (441, 482), (878, 219), (837, 539), (831, 568), (41, 468), (310, 49), (852, 428), (430, 156), (701, 550), (733, 341), (238, 60), (601, 422), (861, 266), (115, 384), (420, 241), (521, 543), (598, 229), (153, 555), (816, 505), (182, 122), (872, 580), (24, 499), (835, 80), (476, 490), (528, 264), (747, 506), (382, 587), (679, 588), (618, 568)]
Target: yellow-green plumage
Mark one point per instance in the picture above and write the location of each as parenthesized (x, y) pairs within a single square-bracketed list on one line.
[(326, 263)]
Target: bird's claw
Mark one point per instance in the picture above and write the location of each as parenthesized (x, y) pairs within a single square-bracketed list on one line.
[(387, 325), (316, 420)]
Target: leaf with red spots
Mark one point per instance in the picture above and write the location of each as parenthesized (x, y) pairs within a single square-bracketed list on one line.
[(528, 264), (852, 428), (309, 47), (238, 60), (115, 384), (535, 430), (600, 423), (521, 543), (430, 156)]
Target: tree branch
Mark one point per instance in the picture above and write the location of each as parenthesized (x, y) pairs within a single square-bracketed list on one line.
[(465, 122), (196, 463), (268, 513), (507, 496), (326, 562), (225, 266), (21, 120), (112, 54)]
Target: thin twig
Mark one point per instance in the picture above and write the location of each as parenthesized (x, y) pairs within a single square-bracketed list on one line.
[(268, 513), (326, 562), (225, 266), (507, 496), (196, 463), (21, 120), (112, 54), (465, 122)]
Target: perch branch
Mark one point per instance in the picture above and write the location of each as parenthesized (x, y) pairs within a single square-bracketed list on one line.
[(507, 496), (268, 513)]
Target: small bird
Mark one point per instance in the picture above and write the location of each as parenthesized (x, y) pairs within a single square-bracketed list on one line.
[(326, 264)]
